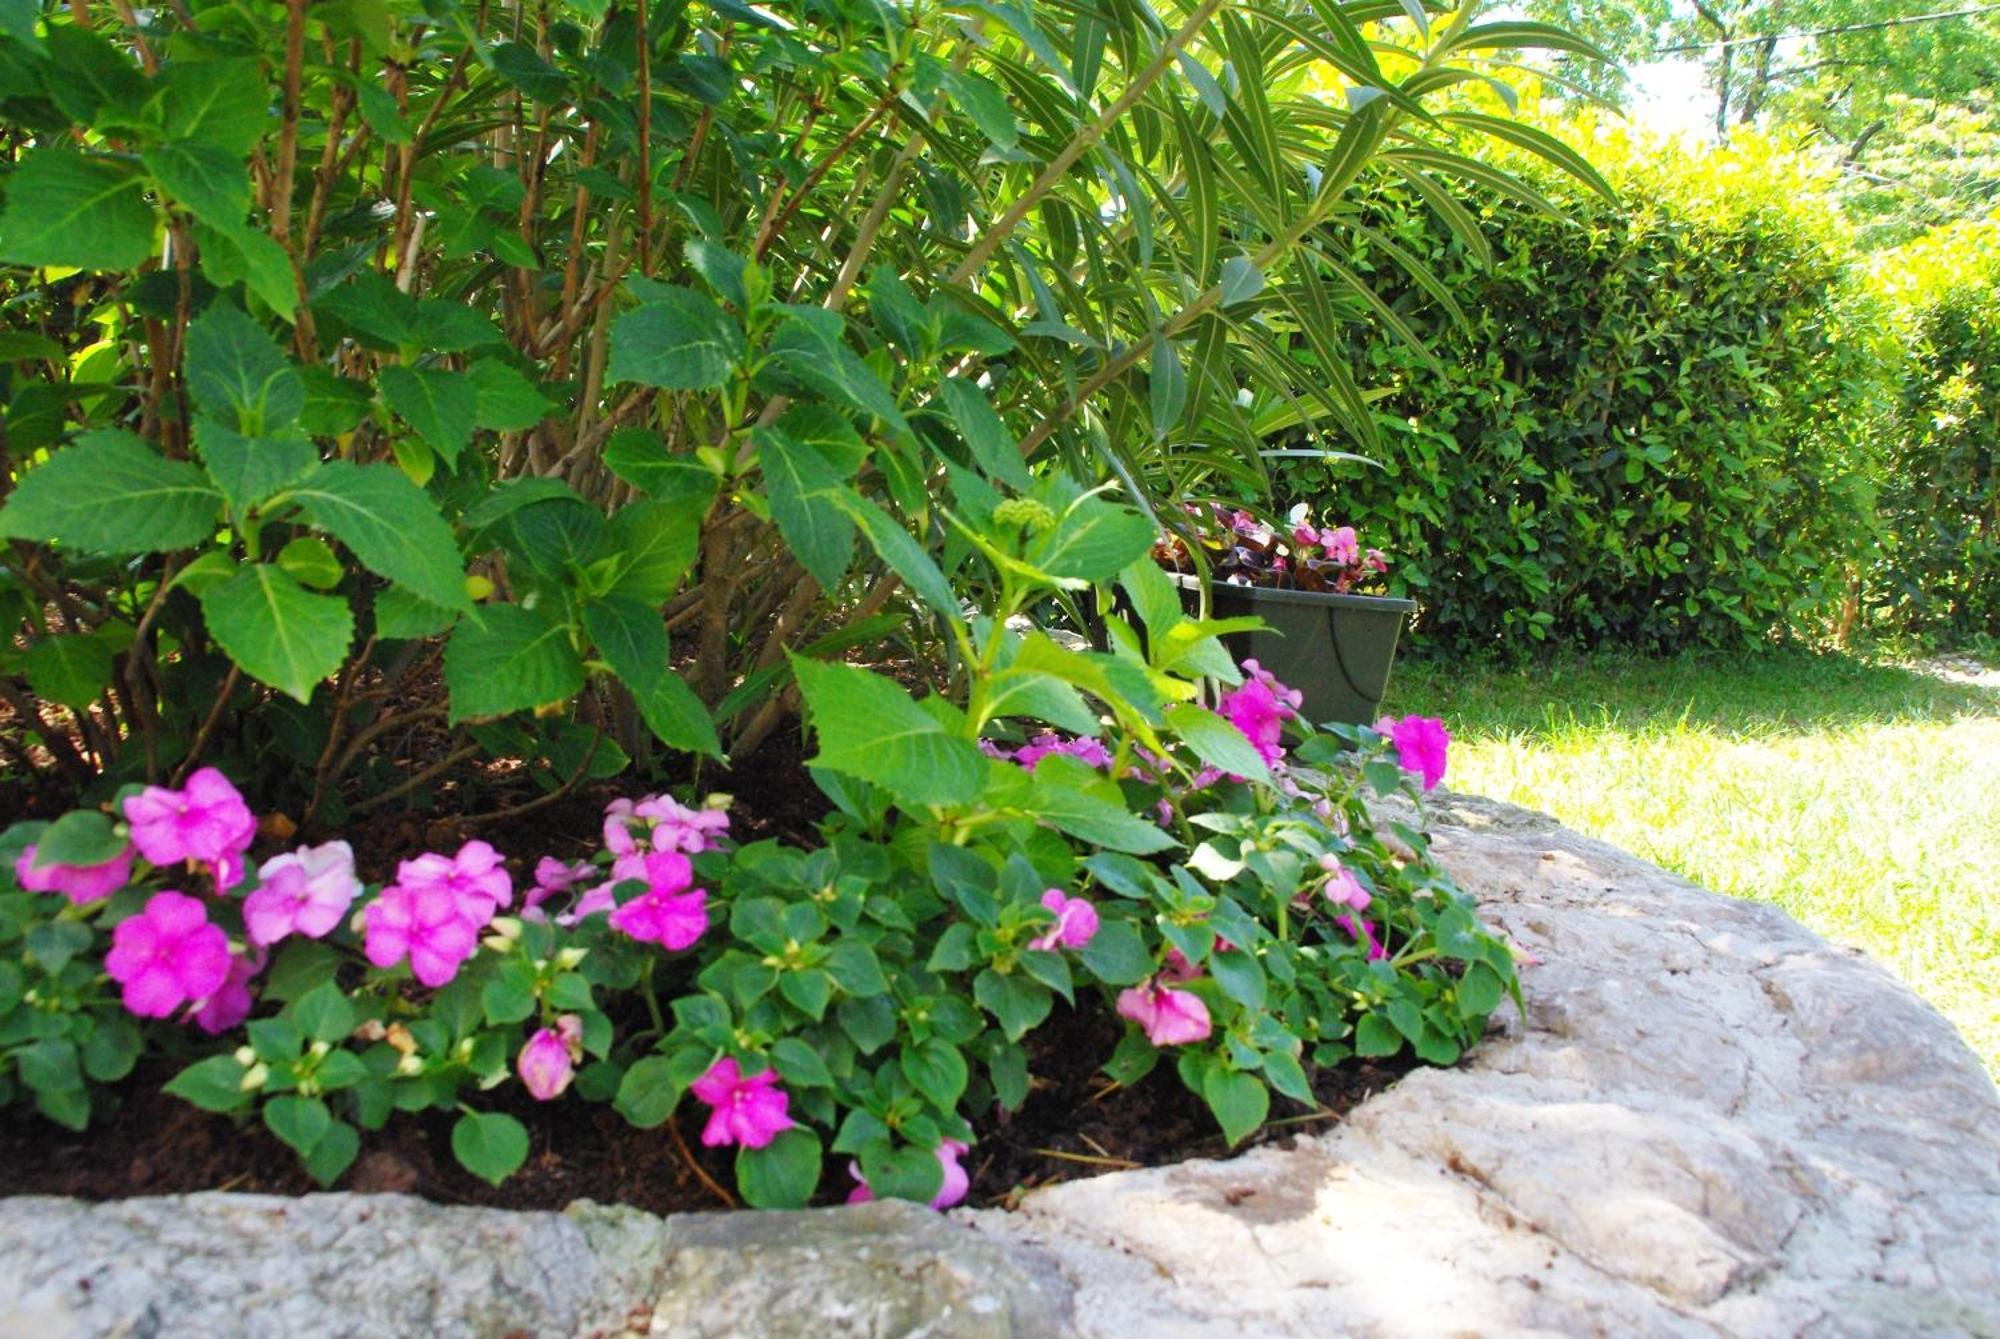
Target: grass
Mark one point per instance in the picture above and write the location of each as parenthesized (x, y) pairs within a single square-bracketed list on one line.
[(1863, 798)]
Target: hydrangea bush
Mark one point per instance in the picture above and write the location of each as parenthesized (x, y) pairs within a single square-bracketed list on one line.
[(1148, 831)]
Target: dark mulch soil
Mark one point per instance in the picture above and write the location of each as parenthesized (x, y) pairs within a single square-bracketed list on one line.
[(1074, 1124)]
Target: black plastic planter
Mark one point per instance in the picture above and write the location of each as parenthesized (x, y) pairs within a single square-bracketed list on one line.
[(1335, 649)]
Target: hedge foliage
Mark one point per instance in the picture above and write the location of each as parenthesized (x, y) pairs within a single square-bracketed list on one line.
[(1939, 572), (1657, 424)]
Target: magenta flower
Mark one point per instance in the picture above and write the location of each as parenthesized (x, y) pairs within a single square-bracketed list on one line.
[(206, 820), (81, 884), (232, 1001), (1421, 745), (747, 1110), (1076, 921), (1087, 749), (1364, 933), (1259, 707), (475, 879), (167, 955), (424, 923), (1168, 1017), (666, 913), (546, 1065), (956, 1181), (303, 892), (552, 876)]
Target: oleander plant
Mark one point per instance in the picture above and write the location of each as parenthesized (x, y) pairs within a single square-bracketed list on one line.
[(410, 405)]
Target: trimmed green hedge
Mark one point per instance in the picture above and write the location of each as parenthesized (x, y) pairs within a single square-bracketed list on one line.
[(1654, 428), (1939, 572)]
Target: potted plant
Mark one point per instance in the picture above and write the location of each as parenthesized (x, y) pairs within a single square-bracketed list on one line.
[(1323, 634)]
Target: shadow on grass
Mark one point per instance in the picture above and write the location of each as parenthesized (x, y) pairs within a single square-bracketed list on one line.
[(1730, 695)]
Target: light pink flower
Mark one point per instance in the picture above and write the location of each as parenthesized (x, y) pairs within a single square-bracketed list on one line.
[(666, 913), (1076, 921), (1343, 546), (475, 879), (167, 955), (206, 820), (546, 1065), (552, 876), (1177, 967), (1087, 749), (1168, 1017), (424, 923), (232, 1001), (1304, 536), (303, 892), (1259, 707), (956, 1181), (1342, 888), (745, 1109), (81, 884), (1422, 744), (676, 827)]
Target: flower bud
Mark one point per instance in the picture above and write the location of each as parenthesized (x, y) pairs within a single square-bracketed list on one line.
[(246, 1056), (544, 1065), (568, 959), (318, 1050), (255, 1077), (410, 1065)]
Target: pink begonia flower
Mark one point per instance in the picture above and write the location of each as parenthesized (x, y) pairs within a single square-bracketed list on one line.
[(747, 1110), (1421, 743), (167, 955), (206, 820), (1342, 888), (1364, 933), (81, 884), (303, 892), (666, 913), (546, 1065), (1259, 708), (424, 923), (1076, 922), (231, 1003), (1087, 749), (1343, 546), (956, 1180), (1168, 1017), (1304, 536), (1374, 559), (475, 879)]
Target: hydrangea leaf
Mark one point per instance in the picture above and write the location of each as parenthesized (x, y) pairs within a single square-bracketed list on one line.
[(68, 208), (111, 493), (675, 339), (511, 659), (276, 630), (391, 526), (870, 728)]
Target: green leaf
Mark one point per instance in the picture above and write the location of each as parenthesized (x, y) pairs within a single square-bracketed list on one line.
[(1240, 1101), (504, 399), (1097, 821), (983, 101), (490, 1145), (236, 372), (249, 470), (333, 1154), (870, 728), (1167, 388), (401, 616), (323, 1013), (801, 486), (1375, 1035), (809, 349), (67, 208), (639, 457), (514, 659), (904, 555), (808, 989), (649, 1092), (905, 1172), (309, 561), (869, 1023), (652, 545), (226, 103), (49, 1066), (781, 1175), (212, 183), (1008, 1067), (301, 1122), (111, 493), (1093, 541), (676, 339), (1241, 280), (244, 255), (112, 1049), (54, 943), (937, 1070), (389, 524), (1116, 955), (799, 1064), (855, 969), (276, 630), (70, 669), (1017, 1003), (1216, 742), (1479, 991), (443, 407), (214, 1084), (992, 445), (631, 637)]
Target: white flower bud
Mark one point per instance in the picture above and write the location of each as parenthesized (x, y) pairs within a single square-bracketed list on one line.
[(255, 1077), (246, 1056)]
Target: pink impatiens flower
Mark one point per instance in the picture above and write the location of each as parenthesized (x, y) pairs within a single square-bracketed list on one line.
[(424, 923), (206, 820), (232, 1001), (1342, 888), (547, 1063), (303, 892), (1076, 922), (666, 823), (167, 955), (745, 1109), (1364, 933), (666, 913), (475, 880), (81, 884), (1168, 1017), (956, 1180), (1259, 707), (1421, 745), (1087, 749), (552, 876)]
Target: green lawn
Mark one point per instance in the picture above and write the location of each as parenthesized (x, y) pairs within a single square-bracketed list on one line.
[(1864, 798)]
